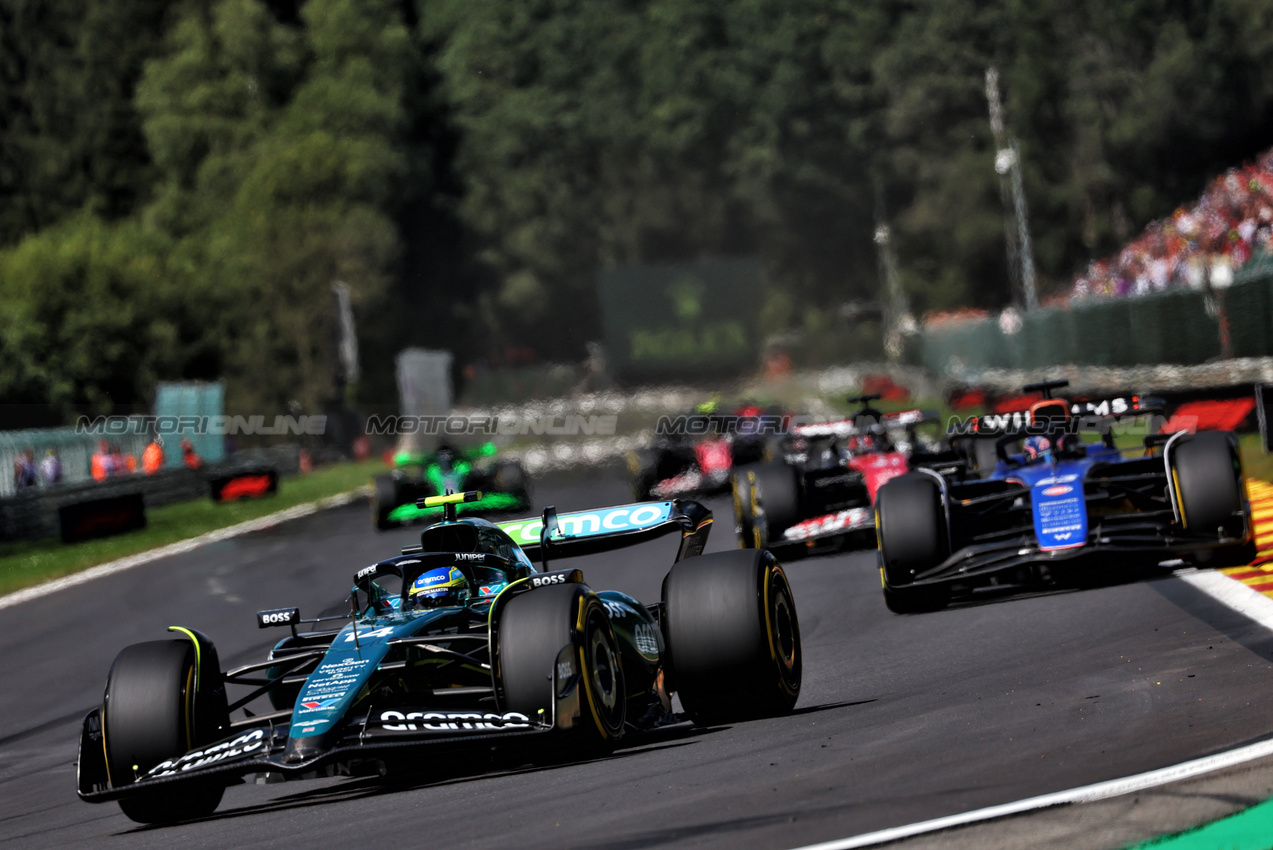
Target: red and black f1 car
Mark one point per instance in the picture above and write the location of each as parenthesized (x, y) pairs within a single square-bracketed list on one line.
[(817, 496)]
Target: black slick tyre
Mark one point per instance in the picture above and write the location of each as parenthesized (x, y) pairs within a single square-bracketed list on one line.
[(384, 499), (732, 637), (775, 500), (148, 715), (643, 468), (510, 477), (911, 530), (1208, 480), (743, 518), (533, 628)]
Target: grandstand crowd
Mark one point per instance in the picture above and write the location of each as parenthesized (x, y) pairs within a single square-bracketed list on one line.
[(1196, 246)]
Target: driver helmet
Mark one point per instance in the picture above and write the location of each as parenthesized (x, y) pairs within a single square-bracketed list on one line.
[(437, 587), (446, 458), (1036, 448)]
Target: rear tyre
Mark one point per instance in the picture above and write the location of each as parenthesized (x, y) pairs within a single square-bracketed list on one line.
[(510, 477), (1208, 480), (732, 637), (148, 715), (533, 628), (911, 529), (643, 467), (743, 517), (384, 499), (775, 502)]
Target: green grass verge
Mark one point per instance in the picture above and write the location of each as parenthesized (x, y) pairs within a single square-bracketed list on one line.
[(1251, 829), (32, 562), (1255, 462)]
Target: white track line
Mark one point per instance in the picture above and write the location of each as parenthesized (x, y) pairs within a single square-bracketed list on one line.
[(1086, 794), (1230, 592), (178, 548)]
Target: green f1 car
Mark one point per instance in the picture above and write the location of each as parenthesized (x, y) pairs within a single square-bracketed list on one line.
[(459, 646), (504, 485)]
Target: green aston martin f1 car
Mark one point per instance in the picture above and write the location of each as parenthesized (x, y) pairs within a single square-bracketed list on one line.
[(504, 485), (462, 647)]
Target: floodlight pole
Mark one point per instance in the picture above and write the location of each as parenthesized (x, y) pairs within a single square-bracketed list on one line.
[(1012, 193), (896, 308)]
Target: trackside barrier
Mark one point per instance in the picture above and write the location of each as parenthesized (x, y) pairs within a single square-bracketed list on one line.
[(35, 513), (1176, 327)]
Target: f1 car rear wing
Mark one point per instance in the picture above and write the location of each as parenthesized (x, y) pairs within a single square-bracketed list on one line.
[(1089, 412), (555, 535)]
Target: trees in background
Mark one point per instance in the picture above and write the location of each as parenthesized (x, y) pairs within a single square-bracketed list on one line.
[(182, 183), (275, 159)]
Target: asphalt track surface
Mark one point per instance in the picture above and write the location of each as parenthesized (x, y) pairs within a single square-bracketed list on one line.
[(901, 719)]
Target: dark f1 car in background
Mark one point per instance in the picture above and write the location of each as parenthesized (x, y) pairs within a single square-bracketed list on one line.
[(696, 453), (473, 649), (1057, 507), (504, 484), (817, 496)]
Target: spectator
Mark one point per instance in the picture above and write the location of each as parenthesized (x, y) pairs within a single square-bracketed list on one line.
[(24, 471), (188, 456), (51, 468), (152, 459), (119, 463), (102, 465), (1222, 230)]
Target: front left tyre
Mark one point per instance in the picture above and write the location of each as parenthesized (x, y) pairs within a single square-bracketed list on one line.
[(510, 477), (775, 502), (643, 472), (1207, 474), (911, 529), (533, 628), (1208, 480), (147, 718)]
